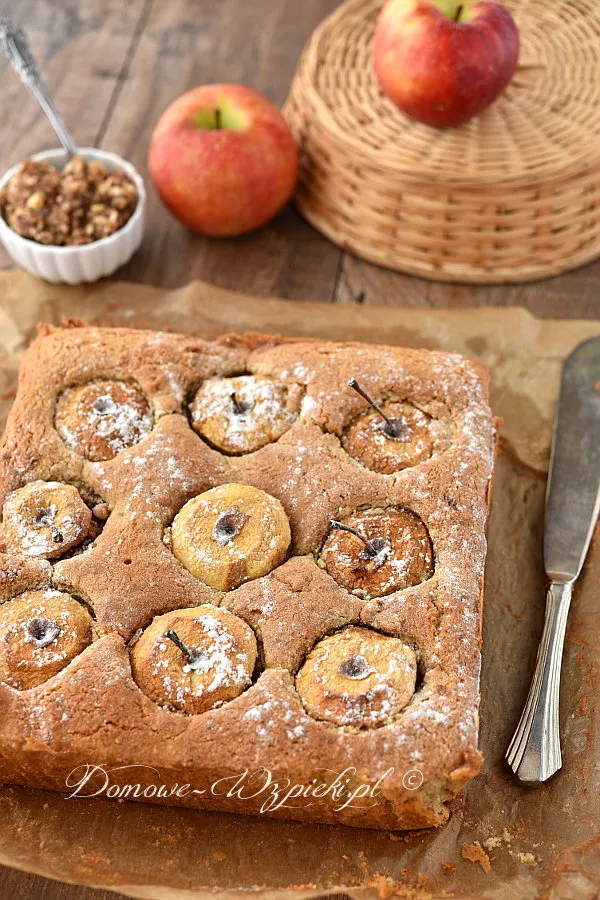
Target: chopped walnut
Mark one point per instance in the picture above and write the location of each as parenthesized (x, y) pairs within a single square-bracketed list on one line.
[(83, 203)]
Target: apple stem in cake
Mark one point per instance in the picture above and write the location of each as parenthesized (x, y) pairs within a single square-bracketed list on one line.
[(238, 406), (44, 518), (192, 657), (395, 428), (41, 631), (373, 546), (219, 655), (396, 552), (355, 667)]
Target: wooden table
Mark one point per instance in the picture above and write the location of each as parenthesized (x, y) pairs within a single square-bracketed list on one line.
[(112, 68)]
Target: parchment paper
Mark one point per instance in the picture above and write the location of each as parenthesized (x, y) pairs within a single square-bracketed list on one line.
[(536, 842)]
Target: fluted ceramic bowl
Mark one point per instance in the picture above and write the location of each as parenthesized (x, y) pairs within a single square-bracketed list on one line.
[(88, 262)]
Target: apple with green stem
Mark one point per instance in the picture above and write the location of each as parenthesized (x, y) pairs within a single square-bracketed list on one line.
[(444, 61), (223, 159)]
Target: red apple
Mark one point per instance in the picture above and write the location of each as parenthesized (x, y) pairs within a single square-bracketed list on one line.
[(223, 159), (443, 61)]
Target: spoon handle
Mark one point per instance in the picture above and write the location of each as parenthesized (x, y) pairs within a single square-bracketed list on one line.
[(15, 47)]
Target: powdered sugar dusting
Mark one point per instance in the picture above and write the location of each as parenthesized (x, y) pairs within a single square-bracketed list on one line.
[(404, 557), (44, 519), (219, 662), (120, 424), (241, 414), (100, 419), (442, 612), (357, 678)]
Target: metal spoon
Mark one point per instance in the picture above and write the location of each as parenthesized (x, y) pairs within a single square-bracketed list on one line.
[(15, 47)]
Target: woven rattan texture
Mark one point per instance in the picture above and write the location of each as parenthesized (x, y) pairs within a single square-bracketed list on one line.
[(512, 195)]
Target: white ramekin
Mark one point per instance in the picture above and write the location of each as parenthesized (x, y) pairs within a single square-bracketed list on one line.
[(88, 262)]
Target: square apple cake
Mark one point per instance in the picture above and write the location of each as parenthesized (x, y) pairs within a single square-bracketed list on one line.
[(244, 574)]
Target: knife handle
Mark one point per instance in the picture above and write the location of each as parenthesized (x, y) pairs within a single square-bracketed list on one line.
[(534, 752)]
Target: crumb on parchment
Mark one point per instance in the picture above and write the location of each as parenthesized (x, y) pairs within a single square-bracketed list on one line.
[(476, 854)]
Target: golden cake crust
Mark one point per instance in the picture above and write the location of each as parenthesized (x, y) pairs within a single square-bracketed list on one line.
[(94, 711)]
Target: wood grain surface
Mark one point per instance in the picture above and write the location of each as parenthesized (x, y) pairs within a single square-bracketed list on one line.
[(112, 68)]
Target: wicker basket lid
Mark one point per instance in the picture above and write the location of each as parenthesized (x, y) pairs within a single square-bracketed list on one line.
[(513, 194)]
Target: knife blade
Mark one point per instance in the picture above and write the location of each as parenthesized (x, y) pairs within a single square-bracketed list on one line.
[(572, 504), (573, 495)]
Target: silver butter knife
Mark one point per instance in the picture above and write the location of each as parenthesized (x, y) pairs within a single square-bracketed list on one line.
[(572, 502)]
